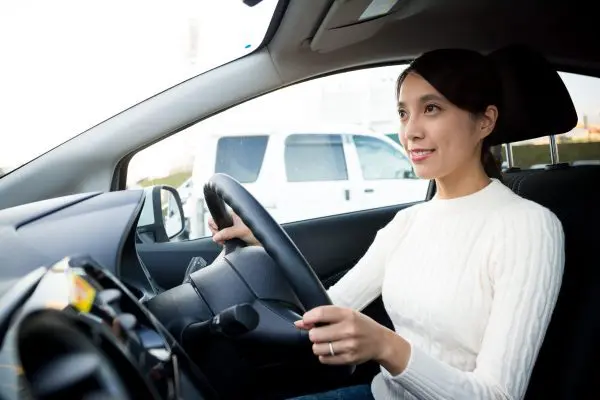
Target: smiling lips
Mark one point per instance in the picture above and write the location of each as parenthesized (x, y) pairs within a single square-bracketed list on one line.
[(420, 154)]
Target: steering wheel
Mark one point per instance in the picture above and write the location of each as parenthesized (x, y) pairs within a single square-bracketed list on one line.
[(222, 189), (267, 290)]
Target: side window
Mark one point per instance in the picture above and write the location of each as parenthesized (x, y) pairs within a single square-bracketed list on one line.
[(336, 135), (380, 160), (326, 152), (241, 157), (580, 146)]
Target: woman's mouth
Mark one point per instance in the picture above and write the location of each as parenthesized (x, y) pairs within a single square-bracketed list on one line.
[(420, 155)]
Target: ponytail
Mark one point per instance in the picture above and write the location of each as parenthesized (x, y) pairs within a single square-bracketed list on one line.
[(491, 165)]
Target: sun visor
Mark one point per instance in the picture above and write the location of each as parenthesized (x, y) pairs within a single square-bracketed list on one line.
[(351, 21)]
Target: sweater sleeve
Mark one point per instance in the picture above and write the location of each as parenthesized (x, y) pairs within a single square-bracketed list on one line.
[(526, 270), (362, 284)]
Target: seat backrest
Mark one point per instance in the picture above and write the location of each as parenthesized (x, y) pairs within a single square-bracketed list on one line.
[(569, 360)]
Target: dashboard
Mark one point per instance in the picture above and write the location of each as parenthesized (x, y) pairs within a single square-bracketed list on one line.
[(60, 303), (44, 232), (130, 338)]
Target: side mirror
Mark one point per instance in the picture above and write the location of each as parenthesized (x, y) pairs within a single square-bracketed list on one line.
[(162, 217)]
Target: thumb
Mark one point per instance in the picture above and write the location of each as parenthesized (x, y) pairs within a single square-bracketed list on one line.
[(212, 225)]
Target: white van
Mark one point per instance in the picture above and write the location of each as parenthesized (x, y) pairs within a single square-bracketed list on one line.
[(306, 174)]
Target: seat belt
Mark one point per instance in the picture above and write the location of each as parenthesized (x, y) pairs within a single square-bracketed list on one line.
[(431, 189)]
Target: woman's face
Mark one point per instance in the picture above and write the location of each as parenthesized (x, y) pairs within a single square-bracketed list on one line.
[(440, 138)]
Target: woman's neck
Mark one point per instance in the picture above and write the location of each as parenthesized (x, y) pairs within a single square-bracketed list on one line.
[(461, 184)]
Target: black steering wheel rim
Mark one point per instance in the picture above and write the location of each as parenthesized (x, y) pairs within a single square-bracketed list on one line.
[(222, 189)]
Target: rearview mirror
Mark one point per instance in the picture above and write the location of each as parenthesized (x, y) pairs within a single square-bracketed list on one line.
[(162, 217), (251, 3)]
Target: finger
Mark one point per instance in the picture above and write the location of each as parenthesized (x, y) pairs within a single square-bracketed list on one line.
[(348, 347), (300, 324), (343, 359), (212, 224), (331, 333), (322, 349), (325, 315), (344, 351)]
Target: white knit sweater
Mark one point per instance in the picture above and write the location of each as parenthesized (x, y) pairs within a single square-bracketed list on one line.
[(471, 283)]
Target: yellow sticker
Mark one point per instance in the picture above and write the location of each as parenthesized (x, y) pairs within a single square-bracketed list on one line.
[(82, 294)]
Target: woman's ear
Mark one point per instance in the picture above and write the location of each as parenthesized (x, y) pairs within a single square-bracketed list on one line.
[(488, 121)]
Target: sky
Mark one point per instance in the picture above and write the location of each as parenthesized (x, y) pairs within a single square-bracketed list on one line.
[(69, 64)]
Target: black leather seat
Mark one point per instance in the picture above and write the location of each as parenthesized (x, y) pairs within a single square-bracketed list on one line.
[(569, 361), (538, 104)]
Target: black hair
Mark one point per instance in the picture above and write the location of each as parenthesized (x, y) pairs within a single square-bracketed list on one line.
[(469, 80)]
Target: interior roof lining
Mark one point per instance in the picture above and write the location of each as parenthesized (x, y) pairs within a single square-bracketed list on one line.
[(483, 25)]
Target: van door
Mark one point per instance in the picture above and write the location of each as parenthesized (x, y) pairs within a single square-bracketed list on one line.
[(387, 177), (316, 178)]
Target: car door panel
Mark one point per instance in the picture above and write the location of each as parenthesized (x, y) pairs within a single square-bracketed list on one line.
[(334, 244), (167, 262)]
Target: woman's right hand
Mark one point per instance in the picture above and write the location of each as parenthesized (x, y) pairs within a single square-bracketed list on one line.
[(239, 230)]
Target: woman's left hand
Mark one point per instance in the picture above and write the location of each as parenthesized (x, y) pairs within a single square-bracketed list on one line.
[(354, 337)]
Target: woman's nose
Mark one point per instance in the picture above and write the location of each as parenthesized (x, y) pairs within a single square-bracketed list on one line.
[(412, 129)]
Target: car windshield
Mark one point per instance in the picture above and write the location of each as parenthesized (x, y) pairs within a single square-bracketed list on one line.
[(70, 64)]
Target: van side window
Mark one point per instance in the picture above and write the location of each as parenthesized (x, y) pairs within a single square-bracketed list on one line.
[(315, 157), (379, 160), (322, 147), (241, 157)]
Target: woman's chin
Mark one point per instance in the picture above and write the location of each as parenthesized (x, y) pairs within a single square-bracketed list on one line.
[(423, 172)]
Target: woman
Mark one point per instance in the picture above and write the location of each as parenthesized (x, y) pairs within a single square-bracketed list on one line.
[(469, 278)]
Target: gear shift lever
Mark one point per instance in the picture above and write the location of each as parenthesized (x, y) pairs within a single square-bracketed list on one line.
[(231, 322)]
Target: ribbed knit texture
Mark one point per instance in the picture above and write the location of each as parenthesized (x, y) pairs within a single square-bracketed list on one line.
[(471, 283)]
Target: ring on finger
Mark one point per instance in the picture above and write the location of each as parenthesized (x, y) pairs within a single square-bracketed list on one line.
[(331, 351)]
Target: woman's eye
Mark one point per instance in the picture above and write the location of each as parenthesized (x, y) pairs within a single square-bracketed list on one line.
[(429, 108), (402, 114)]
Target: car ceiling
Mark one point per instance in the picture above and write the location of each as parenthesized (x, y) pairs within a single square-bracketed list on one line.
[(303, 43), (564, 31)]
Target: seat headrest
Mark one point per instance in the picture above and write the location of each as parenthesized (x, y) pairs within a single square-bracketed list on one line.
[(536, 101)]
